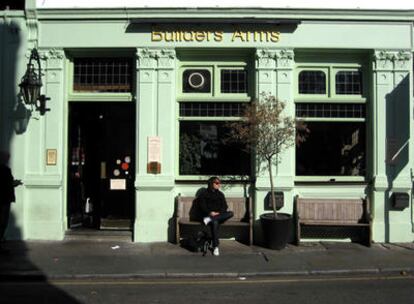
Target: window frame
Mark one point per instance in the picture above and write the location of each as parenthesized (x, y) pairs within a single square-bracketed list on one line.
[(314, 69), (210, 68), (98, 96), (201, 60), (237, 96), (215, 69), (325, 70), (200, 177), (332, 97), (335, 71)]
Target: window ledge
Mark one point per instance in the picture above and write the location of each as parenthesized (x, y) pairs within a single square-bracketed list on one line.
[(199, 98), (100, 97), (196, 179), (330, 179), (324, 99)]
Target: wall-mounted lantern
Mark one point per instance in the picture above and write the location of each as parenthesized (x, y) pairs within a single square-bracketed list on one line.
[(32, 83)]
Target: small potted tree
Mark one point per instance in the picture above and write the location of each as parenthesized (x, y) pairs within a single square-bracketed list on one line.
[(267, 132)]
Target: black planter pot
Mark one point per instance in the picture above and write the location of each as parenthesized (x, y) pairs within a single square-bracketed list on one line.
[(276, 231)]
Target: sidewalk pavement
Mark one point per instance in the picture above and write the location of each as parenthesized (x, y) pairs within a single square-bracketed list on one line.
[(108, 260)]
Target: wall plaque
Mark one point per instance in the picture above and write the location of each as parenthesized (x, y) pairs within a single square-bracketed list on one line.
[(51, 157), (154, 155)]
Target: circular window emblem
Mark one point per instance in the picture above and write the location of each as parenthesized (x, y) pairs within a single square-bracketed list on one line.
[(196, 80)]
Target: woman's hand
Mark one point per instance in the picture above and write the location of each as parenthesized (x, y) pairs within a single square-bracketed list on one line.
[(214, 213)]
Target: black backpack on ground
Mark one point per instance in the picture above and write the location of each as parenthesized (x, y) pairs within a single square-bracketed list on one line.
[(200, 242)]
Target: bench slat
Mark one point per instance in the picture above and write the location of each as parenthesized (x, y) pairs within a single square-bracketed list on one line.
[(336, 210)]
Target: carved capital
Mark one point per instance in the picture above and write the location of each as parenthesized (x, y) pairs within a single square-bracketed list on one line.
[(147, 53), (265, 54), (51, 54), (147, 58), (383, 60), (265, 59), (281, 58), (392, 60), (402, 60), (53, 58), (383, 55), (403, 55), (285, 58), (155, 58), (166, 58)]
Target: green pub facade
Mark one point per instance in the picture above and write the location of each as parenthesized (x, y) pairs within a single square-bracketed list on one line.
[(140, 98)]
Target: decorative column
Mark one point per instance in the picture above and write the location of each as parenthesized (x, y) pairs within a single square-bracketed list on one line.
[(166, 112), (156, 108), (285, 174), (146, 106), (265, 71), (45, 162), (392, 148), (274, 74)]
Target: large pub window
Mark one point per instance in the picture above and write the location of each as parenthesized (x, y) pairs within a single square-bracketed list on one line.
[(336, 145), (203, 145), (210, 95)]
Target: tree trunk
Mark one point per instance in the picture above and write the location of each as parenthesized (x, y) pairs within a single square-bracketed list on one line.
[(272, 192)]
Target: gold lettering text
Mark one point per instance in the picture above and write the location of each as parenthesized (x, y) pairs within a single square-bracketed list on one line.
[(274, 36), (218, 36), (188, 36), (238, 35), (156, 36), (200, 36), (169, 36)]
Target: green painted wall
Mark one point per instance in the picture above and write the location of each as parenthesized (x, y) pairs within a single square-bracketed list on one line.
[(384, 49)]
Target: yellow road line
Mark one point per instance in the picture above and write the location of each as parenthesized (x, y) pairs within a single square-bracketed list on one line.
[(206, 281), (223, 282)]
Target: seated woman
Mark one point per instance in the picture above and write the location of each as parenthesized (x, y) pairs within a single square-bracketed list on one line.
[(213, 208)]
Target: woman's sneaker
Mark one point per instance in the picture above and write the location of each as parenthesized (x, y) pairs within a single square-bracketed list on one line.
[(206, 220), (216, 251)]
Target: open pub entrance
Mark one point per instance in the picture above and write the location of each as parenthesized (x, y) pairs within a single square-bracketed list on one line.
[(101, 166)]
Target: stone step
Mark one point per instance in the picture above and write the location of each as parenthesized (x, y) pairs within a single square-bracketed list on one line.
[(83, 234)]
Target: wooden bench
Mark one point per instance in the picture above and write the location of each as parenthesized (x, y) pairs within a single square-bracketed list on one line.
[(241, 207), (333, 212)]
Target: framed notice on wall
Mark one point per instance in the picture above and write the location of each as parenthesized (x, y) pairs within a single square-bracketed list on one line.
[(51, 157), (154, 155)]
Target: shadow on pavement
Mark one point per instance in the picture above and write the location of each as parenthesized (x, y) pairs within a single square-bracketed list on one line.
[(23, 282)]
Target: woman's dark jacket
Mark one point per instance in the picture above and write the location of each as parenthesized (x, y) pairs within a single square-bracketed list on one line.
[(211, 200)]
